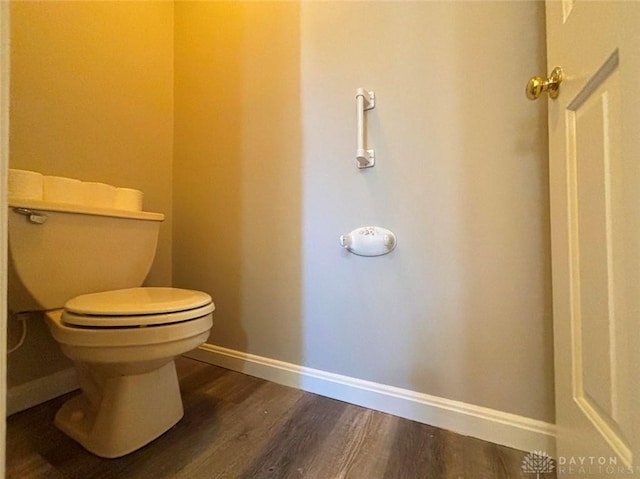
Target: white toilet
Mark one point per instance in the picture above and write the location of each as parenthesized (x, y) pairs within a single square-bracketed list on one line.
[(83, 266)]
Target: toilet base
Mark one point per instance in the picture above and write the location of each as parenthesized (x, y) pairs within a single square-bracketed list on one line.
[(116, 414)]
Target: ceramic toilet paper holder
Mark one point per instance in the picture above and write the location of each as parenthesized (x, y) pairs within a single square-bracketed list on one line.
[(369, 241)]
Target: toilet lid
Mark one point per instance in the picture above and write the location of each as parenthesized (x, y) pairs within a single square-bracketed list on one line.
[(136, 306)]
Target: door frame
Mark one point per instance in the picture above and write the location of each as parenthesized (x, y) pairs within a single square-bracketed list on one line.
[(4, 169)]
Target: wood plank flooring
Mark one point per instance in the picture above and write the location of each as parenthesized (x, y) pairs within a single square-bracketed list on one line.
[(238, 426)]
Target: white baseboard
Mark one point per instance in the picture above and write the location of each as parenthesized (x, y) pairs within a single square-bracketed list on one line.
[(484, 423), (41, 390)]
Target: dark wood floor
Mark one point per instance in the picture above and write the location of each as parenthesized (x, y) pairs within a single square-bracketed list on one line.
[(237, 426)]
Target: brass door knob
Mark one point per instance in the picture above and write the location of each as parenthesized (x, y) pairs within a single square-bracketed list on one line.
[(537, 86)]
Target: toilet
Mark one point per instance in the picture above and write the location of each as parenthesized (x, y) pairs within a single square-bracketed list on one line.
[(83, 266)]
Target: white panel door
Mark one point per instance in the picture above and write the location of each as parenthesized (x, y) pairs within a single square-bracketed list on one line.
[(594, 141)]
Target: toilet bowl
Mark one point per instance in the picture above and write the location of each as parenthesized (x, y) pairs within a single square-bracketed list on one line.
[(123, 345), (83, 266)]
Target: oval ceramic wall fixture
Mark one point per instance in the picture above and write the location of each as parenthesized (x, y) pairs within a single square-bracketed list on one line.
[(369, 241)]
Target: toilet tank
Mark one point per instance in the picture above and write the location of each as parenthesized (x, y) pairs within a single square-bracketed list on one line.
[(59, 251)]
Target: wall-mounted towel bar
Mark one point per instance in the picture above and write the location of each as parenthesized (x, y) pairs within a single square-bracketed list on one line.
[(365, 100)]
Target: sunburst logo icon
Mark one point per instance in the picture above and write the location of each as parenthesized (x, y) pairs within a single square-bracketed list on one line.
[(538, 462)]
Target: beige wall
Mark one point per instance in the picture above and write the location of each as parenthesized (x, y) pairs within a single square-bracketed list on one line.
[(92, 98), (238, 169), (265, 182)]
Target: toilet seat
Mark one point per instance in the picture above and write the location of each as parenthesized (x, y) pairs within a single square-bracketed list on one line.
[(92, 342), (136, 307)]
